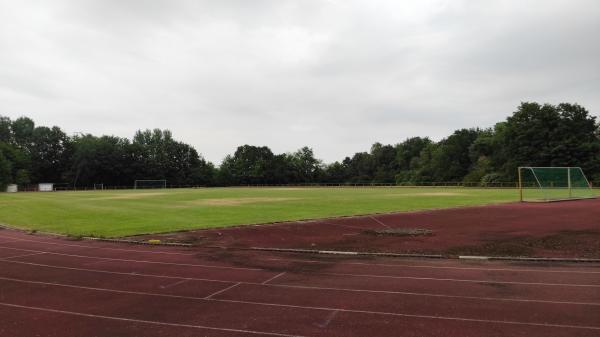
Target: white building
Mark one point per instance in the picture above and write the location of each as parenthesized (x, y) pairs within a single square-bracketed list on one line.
[(46, 187)]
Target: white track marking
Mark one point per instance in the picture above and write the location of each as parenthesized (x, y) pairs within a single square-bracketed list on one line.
[(103, 248), (136, 261), (272, 278), (308, 261), (463, 280), (173, 284), (9, 241), (383, 313), (315, 261), (437, 267), (330, 274), (221, 291), (291, 286), (379, 222), (123, 319), (22, 255)]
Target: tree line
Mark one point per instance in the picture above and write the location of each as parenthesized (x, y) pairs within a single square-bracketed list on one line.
[(534, 135)]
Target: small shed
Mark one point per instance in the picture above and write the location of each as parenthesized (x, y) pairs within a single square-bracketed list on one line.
[(12, 188), (45, 187)]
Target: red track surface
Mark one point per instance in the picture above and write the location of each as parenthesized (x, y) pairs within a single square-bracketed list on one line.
[(55, 287), (485, 230)]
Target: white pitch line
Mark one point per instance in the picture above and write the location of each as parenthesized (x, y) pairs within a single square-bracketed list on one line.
[(382, 313), (221, 291), (272, 278), (304, 287), (331, 274), (123, 319)]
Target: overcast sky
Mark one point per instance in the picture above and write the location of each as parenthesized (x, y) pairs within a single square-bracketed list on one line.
[(334, 75)]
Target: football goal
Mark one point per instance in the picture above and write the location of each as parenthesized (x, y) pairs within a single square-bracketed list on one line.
[(98, 186), (148, 183), (553, 184)]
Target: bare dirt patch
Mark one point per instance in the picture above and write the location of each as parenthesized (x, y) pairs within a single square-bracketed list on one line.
[(582, 243), (236, 201)]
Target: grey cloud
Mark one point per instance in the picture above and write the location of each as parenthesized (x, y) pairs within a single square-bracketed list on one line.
[(334, 75)]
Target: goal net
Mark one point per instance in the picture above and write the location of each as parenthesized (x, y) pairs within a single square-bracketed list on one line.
[(553, 183), (139, 184)]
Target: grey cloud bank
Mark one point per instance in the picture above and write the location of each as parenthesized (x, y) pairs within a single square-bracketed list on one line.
[(333, 75)]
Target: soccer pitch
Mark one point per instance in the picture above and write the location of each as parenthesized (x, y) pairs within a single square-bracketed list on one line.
[(130, 212)]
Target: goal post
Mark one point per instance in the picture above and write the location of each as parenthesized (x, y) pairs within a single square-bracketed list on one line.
[(553, 184), (149, 183), (98, 187)]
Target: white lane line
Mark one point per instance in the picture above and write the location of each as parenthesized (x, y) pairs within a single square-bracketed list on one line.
[(173, 284), (291, 286), (221, 291), (22, 255), (272, 278), (123, 319), (320, 262), (330, 274), (9, 241), (541, 270), (135, 261), (103, 248), (462, 280), (383, 313)]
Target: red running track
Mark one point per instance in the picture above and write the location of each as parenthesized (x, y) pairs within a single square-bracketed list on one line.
[(54, 287)]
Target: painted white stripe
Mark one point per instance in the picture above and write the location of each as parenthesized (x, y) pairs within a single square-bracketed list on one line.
[(540, 270), (379, 222), (8, 241), (173, 284), (331, 274), (102, 248), (272, 278), (221, 291), (123, 319), (134, 261), (463, 280), (279, 285), (404, 265), (383, 313), (22, 255)]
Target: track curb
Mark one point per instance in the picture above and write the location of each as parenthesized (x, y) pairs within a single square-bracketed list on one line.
[(134, 242)]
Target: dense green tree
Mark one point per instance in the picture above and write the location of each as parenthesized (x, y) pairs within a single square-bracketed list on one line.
[(49, 155), (5, 130), (534, 135), (248, 165), (22, 131)]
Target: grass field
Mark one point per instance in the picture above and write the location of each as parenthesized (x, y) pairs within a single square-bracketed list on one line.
[(129, 212)]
